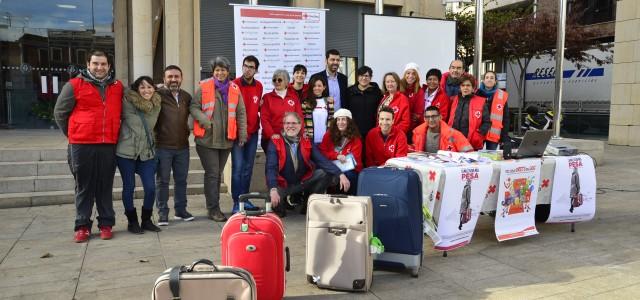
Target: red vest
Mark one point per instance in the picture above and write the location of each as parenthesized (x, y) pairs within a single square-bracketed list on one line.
[(281, 149), (94, 121), (475, 120), (497, 112), (450, 139)]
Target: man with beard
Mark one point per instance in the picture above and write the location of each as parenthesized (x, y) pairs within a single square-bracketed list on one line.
[(172, 146), (337, 81), (88, 112), (450, 82)]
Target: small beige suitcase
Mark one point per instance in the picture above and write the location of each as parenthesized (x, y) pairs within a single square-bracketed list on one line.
[(338, 232), (204, 280)]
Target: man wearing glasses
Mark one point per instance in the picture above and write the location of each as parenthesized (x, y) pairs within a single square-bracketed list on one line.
[(242, 157), (434, 134), (450, 82), (291, 166)]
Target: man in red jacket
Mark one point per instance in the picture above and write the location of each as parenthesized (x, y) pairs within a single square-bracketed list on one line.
[(385, 141), (434, 134), (88, 113)]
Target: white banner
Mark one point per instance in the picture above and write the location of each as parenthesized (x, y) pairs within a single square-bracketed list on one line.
[(573, 197), (280, 37), (464, 191), (517, 194)]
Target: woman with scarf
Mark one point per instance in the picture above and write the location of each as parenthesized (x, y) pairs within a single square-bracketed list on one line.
[(219, 120), (317, 109), (397, 101), (135, 151), (499, 113), (342, 143), (469, 113)]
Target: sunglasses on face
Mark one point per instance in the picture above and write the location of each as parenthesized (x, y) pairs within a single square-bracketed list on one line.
[(278, 80)]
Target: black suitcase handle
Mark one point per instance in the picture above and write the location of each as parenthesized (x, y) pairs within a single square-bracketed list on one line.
[(287, 267), (255, 195)]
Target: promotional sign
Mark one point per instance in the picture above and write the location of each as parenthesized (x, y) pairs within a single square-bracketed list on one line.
[(517, 194), (573, 197), (280, 37), (464, 191)]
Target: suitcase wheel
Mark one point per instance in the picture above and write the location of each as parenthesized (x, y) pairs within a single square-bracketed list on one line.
[(415, 272), (310, 279)]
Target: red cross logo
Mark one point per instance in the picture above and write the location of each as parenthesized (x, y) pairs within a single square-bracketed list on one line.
[(492, 189), (392, 148), (478, 114), (449, 148), (291, 102), (395, 109), (255, 99), (545, 183), (438, 196), (432, 175), (499, 106)]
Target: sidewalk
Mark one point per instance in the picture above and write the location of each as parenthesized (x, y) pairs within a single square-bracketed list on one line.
[(601, 260)]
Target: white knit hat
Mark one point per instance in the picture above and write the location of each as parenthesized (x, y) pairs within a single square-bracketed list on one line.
[(343, 112), (410, 66)]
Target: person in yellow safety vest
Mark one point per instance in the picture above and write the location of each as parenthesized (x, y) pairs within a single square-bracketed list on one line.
[(497, 101), (220, 120)]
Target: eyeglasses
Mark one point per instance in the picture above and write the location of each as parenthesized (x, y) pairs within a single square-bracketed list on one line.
[(249, 67), (278, 80), (365, 76), (432, 117), (291, 123)]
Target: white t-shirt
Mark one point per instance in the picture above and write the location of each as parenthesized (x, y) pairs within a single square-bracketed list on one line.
[(320, 115)]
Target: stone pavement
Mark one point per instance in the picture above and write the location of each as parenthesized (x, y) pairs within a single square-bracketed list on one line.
[(601, 260)]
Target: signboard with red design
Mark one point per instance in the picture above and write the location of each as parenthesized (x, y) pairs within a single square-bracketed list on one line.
[(517, 195), (573, 198), (280, 37)]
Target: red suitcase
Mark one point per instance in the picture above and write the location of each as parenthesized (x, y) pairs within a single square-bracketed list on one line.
[(254, 241)]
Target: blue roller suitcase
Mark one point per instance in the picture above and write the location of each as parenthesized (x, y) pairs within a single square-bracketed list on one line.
[(396, 195)]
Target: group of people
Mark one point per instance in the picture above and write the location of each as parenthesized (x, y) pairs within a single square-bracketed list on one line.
[(317, 135)]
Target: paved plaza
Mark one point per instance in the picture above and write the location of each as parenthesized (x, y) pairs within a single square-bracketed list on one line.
[(601, 260)]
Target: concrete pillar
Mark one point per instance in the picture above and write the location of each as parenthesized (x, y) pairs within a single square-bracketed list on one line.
[(181, 19), (141, 38), (121, 64), (624, 121)]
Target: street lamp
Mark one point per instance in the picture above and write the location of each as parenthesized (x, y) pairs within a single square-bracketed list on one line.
[(557, 101)]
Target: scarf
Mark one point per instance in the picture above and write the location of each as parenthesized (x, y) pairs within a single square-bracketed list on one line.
[(294, 146), (488, 92), (97, 81), (452, 86), (142, 104), (223, 88)]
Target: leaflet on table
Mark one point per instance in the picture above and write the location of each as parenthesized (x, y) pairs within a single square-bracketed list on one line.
[(460, 204), (348, 165), (573, 197), (517, 194), (463, 157)]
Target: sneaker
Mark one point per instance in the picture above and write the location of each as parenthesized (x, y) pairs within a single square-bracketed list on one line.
[(163, 220), (183, 215), (216, 215), (105, 232), (82, 234), (236, 208)]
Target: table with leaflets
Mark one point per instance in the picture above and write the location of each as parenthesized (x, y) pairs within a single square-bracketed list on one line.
[(456, 187)]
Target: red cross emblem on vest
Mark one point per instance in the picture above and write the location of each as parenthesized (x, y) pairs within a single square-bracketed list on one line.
[(392, 148), (395, 110), (291, 102), (478, 114), (499, 106)]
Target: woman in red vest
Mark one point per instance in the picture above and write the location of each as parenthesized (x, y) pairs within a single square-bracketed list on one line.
[(469, 113), (497, 101), (397, 101), (342, 143), (220, 120)]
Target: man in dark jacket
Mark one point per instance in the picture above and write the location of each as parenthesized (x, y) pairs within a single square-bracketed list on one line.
[(336, 81), (291, 166), (88, 112), (172, 146)]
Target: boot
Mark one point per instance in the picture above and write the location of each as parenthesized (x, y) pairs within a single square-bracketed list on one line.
[(147, 224), (132, 217)]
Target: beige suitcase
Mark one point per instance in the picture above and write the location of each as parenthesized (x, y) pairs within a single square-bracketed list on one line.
[(338, 233), (204, 280)]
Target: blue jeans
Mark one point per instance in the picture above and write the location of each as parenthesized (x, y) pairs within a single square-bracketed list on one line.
[(242, 159), (147, 171), (178, 162)]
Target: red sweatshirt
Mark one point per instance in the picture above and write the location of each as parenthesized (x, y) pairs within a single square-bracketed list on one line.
[(441, 100), (354, 147), (379, 151), (273, 109), (401, 111), (414, 97), (251, 93)]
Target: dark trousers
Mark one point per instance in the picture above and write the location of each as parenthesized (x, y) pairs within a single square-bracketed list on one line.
[(178, 162), (213, 161), (93, 167), (147, 172), (242, 159), (317, 184)]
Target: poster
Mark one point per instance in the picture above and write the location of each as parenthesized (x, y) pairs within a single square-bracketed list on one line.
[(280, 37), (517, 195), (464, 191), (573, 197)]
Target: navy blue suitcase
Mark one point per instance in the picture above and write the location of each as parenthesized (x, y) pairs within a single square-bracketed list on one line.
[(396, 195)]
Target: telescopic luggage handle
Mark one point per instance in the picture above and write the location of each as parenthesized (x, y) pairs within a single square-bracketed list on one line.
[(255, 195)]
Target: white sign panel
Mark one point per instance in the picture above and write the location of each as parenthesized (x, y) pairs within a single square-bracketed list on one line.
[(517, 194), (280, 37), (573, 197)]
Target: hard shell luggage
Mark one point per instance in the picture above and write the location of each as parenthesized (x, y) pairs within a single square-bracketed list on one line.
[(339, 229), (254, 241), (397, 215), (204, 280)]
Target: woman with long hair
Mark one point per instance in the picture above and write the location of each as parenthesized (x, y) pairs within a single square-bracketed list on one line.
[(396, 100), (317, 109)]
